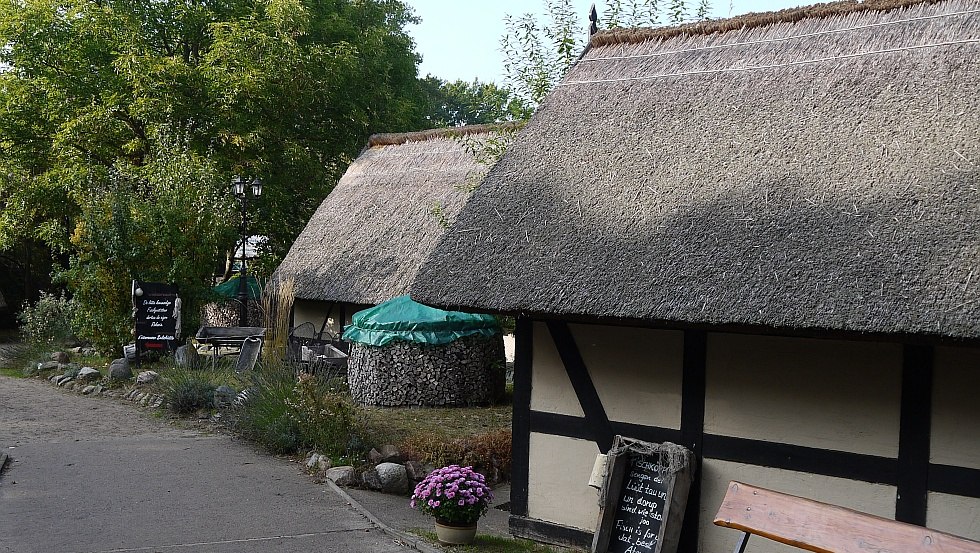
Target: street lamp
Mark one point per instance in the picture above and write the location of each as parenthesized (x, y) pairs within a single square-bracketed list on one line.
[(239, 186)]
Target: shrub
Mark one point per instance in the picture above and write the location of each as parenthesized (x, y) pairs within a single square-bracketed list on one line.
[(284, 413), (188, 391), (48, 321), (489, 453)]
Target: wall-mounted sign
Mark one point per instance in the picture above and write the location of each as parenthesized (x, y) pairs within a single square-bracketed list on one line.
[(643, 497), (156, 308)]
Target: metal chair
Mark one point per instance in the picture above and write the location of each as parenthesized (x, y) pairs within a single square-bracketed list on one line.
[(251, 348)]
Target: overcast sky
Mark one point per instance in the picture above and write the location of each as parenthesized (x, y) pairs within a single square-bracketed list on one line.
[(459, 39)]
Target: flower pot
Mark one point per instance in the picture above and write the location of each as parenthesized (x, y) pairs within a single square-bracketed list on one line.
[(455, 535)]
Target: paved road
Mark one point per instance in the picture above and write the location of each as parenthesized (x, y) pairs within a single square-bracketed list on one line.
[(93, 475)]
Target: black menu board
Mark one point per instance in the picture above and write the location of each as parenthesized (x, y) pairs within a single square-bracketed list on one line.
[(640, 510), (643, 498), (156, 308)]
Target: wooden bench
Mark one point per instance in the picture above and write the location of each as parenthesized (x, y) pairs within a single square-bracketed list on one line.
[(825, 528)]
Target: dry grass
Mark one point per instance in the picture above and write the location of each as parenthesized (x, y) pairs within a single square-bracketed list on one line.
[(394, 139), (395, 424), (277, 302), (478, 437), (748, 21)]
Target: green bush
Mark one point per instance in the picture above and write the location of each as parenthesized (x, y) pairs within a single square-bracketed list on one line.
[(284, 413), (188, 391), (48, 321)]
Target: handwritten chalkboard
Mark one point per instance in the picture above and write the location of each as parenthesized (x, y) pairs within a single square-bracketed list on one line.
[(156, 308), (640, 509), (643, 498)]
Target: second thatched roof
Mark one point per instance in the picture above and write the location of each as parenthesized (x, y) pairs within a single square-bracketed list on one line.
[(369, 237), (804, 172)]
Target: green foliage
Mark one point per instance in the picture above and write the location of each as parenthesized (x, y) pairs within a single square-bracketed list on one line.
[(538, 53), (454, 104), (439, 212), (48, 321), (122, 121), (284, 413), (486, 151), (187, 391), (653, 13)]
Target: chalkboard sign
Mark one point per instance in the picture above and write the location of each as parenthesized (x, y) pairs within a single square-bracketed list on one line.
[(643, 498), (156, 308)]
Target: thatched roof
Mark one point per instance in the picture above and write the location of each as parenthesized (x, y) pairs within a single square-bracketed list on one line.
[(818, 173), (368, 238)]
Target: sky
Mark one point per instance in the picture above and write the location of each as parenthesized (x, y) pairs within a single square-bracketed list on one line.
[(460, 39)]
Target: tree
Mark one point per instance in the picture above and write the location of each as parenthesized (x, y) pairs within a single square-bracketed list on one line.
[(454, 104), (122, 122), (537, 54)]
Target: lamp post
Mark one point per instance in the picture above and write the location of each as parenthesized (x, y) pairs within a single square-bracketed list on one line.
[(240, 188)]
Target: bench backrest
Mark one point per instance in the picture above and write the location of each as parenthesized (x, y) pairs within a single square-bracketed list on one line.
[(825, 528)]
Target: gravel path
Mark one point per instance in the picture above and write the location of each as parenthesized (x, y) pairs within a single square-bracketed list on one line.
[(34, 411), (100, 475)]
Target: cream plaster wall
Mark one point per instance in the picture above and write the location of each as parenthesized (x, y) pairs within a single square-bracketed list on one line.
[(826, 394), (637, 372), (551, 391), (875, 499), (954, 514), (314, 311), (558, 483), (956, 408)]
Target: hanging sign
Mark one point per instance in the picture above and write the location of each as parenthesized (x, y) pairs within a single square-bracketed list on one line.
[(156, 308)]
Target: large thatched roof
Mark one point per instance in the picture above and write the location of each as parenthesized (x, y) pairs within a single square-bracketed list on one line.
[(368, 238), (817, 172)]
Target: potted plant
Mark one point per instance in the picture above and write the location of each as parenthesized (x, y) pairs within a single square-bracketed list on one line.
[(456, 497)]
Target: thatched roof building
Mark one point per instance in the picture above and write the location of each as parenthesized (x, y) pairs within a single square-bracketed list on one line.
[(807, 169), (369, 237), (758, 238)]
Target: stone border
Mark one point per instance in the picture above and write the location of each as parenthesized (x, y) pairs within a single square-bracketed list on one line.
[(405, 539), (145, 399)]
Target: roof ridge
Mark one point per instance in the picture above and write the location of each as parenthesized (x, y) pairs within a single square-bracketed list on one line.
[(394, 139), (749, 21)]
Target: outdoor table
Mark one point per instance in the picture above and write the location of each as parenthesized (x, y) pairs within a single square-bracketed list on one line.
[(226, 337)]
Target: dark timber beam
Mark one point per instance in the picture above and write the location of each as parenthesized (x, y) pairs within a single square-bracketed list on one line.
[(914, 435), (693, 387), (578, 374), (521, 422)]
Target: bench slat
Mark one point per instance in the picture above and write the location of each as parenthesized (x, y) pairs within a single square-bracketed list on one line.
[(825, 528)]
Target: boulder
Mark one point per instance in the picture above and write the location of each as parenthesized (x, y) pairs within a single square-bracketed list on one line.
[(393, 477), (343, 476), (119, 369), (187, 357), (318, 463), (48, 365), (146, 377), (390, 454), (88, 389), (224, 396), (415, 471), (60, 357), (375, 456), (371, 479), (88, 374)]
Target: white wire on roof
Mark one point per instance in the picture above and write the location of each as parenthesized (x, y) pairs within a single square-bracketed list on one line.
[(773, 65)]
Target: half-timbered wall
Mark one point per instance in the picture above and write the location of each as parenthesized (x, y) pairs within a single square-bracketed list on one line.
[(882, 427)]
